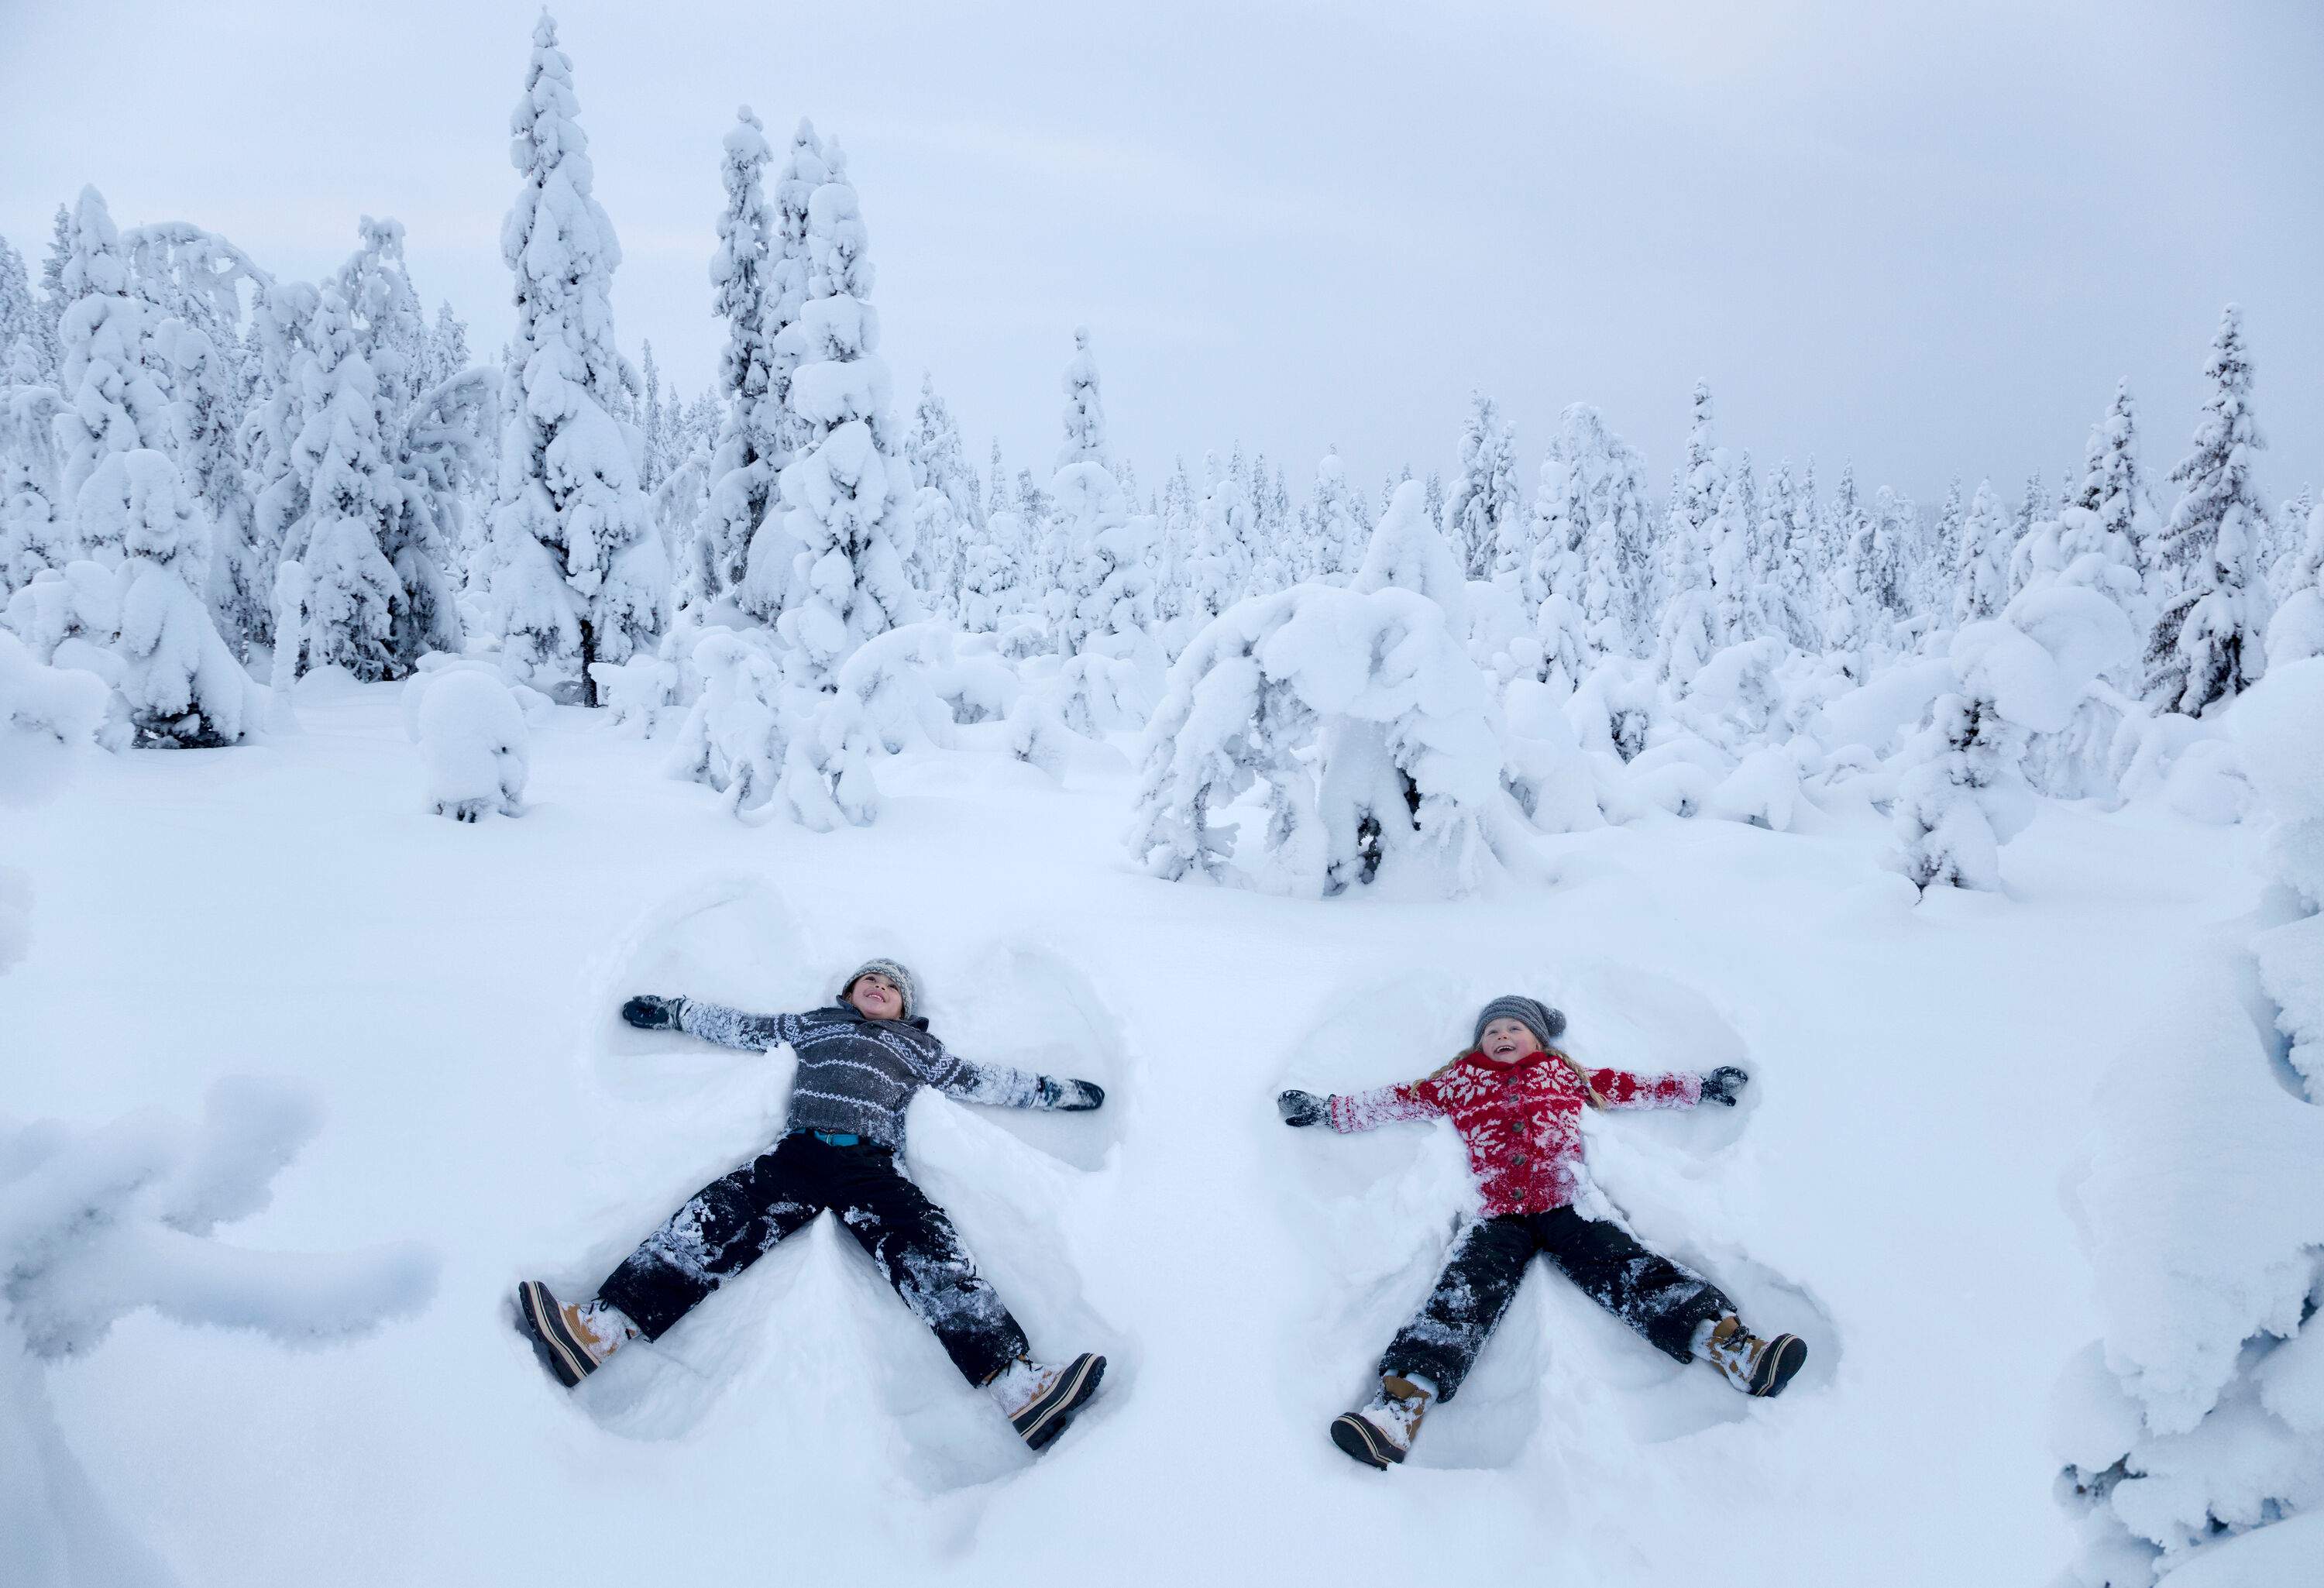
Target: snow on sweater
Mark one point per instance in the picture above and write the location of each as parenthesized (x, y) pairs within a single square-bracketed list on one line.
[(855, 1074), (1521, 1122)]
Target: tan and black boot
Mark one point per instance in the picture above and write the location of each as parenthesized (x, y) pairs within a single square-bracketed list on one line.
[(1381, 1433), (1040, 1399), (1753, 1365), (572, 1340)]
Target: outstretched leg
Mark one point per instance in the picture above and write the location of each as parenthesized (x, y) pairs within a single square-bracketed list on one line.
[(1480, 1278), (914, 1244), (1651, 1294), (723, 1229)]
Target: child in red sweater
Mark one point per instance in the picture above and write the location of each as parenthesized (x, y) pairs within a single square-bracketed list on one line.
[(1517, 1104)]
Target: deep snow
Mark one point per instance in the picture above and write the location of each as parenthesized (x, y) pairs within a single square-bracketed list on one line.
[(1890, 1186)]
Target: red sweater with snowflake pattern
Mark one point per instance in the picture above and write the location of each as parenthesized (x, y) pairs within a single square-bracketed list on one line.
[(1521, 1122)]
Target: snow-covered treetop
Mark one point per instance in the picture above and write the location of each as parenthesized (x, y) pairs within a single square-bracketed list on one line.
[(1084, 413), (746, 223), (557, 238), (1408, 553)]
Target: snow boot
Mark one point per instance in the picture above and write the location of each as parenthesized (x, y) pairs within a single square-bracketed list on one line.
[(1379, 1433), (572, 1342), (1753, 1365), (1040, 1400)]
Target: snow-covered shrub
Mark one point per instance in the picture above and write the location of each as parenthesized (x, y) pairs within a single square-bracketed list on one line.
[(96, 1224), (774, 747), (2199, 1415), (472, 740), (1615, 708), (1372, 734), (1963, 792), (2280, 730)]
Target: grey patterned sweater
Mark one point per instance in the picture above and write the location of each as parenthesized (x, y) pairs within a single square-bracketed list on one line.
[(856, 1075)]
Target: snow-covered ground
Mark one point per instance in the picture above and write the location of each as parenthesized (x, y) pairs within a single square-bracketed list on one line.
[(1890, 1187)]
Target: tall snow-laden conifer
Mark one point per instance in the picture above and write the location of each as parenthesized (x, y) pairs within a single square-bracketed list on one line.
[(1981, 587), (32, 530), (116, 383), (2208, 645), (846, 495), (351, 494), (1485, 499), (579, 574), (1084, 409), (743, 462), (20, 316)]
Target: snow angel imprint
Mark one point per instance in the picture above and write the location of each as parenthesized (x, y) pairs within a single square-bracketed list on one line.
[(860, 1061), (1517, 1102)]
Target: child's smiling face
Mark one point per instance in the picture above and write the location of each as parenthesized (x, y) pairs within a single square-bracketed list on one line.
[(1507, 1040)]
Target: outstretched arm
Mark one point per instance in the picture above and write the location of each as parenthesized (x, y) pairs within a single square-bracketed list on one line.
[(713, 1023), (1621, 1089), (1360, 1111), (999, 1086)]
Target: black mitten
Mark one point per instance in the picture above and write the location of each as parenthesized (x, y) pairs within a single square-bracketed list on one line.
[(1071, 1096), (1723, 1084), (650, 1013), (1302, 1108)]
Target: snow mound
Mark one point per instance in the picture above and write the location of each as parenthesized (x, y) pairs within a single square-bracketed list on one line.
[(472, 740)]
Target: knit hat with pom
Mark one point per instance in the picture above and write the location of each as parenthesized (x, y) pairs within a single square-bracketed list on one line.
[(1538, 1017), (894, 973)]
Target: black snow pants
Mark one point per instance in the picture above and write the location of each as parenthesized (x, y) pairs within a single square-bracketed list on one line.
[(1651, 1294), (730, 1224)]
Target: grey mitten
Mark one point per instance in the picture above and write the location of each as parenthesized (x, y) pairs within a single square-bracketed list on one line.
[(1724, 1084), (1302, 1108)]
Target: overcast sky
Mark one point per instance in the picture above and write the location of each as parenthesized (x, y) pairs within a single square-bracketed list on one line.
[(1928, 242)]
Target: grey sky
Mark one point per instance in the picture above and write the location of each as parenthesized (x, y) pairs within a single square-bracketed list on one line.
[(1927, 238)]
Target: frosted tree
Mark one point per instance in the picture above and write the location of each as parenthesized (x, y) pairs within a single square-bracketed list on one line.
[(1174, 557), (117, 380), (745, 462), (447, 347), (351, 494), (846, 495), (2296, 632), (21, 320), (579, 574), (275, 473), (1334, 521), (1940, 559), (31, 531), (433, 439), (1779, 580), (1554, 575), (1606, 479), (1357, 711), (791, 274), (1085, 412), (1885, 572), (1982, 585), (2114, 485), (1409, 552), (1485, 500), (1702, 480), (2208, 645), (1220, 569)]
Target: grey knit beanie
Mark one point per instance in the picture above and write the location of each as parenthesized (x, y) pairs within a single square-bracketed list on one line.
[(894, 973), (1542, 1021)]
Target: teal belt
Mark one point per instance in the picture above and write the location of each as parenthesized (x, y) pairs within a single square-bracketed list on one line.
[(836, 1138)]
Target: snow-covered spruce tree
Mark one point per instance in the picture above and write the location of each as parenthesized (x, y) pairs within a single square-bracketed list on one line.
[(1886, 574), (1334, 521), (2114, 485), (1606, 481), (100, 1223), (433, 436), (2192, 1434), (939, 462), (117, 380), (846, 494), (1937, 568), (1550, 583), (32, 534), (1779, 581), (351, 493), (274, 472), (745, 461), (1218, 570), (21, 320), (1112, 668), (2209, 644), (447, 347), (1084, 409), (1981, 585), (2296, 632), (54, 300), (1485, 498), (1360, 710), (579, 574)]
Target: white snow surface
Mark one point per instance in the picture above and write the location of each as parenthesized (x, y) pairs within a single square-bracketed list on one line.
[(445, 995)]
